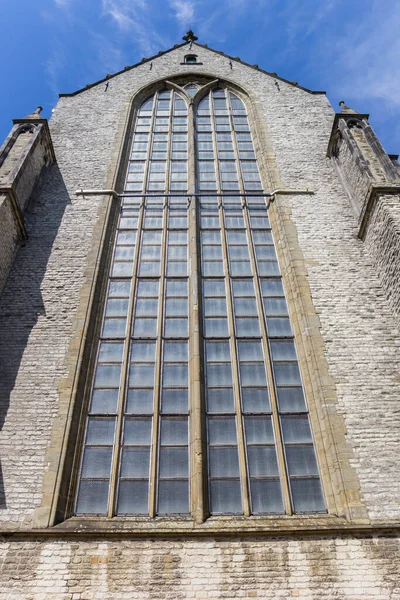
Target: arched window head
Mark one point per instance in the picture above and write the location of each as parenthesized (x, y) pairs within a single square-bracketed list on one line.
[(194, 280), (191, 59), (191, 89)]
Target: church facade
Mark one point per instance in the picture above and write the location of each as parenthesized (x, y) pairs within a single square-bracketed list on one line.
[(199, 344)]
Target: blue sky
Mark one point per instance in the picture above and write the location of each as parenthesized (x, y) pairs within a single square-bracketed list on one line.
[(350, 48)]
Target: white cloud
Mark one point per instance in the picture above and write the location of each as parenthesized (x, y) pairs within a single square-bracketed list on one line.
[(134, 16), (184, 11)]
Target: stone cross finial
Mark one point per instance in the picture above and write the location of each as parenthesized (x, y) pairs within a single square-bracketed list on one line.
[(190, 37), (347, 109)]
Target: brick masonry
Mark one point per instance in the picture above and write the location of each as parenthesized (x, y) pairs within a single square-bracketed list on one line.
[(42, 316)]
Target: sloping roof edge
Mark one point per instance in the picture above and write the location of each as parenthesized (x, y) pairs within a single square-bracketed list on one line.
[(162, 52)]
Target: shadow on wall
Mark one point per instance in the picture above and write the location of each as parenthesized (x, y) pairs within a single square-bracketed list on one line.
[(21, 305)]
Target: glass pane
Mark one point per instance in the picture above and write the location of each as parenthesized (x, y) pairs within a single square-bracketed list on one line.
[(92, 498), (140, 402), (259, 430), (262, 461), (301, 460), (176, 327), (145, 328), (220, 400), (141, 376), (143, 352), (110, 352), (214, 288), (147, 307), (222, 431), (100, 431), (224, 462), (291, 399), (266, 496), (174, 462), (255, 400), (175, 352), (107, 376), (307, 495), (177, 288), (133, 498), (247, 327), (135, 463), (253, 375), (219, 375), (283, 350), (117, 308), (287, 374), (296, 429), (173, 497), (225, 497), (216, 327), (218, 352), (104, 401), (175, 375), (279, 327), (250, 351), (137, 432), (174, 431), (97, 462), (175, 401), (275, 306)]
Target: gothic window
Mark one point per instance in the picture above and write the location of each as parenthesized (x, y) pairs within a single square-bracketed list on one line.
[(166, 370)]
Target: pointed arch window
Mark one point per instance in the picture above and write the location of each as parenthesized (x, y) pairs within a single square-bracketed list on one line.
[(196, 348)]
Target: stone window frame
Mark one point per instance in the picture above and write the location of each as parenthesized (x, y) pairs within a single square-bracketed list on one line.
[(339, 481)]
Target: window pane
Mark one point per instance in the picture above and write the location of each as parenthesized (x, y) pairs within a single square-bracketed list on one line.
[(225, 497), (301, 460), (220, 400), (174, 462), (266, 496), (259, 430), (100, 431), (135, 463), (224, 462), (137, 432), (307, 495), (255, 400), (92, 498), (97, 462), (174, 431), (262, 461), (173, 497), (133, 498), (222, 431)]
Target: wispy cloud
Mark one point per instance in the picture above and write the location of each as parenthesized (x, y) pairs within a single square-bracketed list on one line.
[(134, 16), (183, 11)]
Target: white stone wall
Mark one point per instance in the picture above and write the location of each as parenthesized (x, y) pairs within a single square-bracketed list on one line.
[(311, 569)]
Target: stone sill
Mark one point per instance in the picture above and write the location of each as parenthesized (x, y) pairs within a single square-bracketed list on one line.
[(305, 525)]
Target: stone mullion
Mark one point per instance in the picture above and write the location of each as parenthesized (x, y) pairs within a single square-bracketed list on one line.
[(160, 325), (197, 429), (232, 338), (128, 338)]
